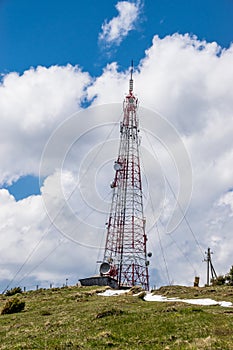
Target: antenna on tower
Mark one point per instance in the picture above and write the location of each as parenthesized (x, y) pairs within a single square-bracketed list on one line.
[(131, 78)]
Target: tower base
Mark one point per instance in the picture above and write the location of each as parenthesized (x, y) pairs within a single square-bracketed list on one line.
[(99, 281)]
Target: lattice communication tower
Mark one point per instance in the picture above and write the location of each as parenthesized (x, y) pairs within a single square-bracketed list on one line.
[(125, 255)]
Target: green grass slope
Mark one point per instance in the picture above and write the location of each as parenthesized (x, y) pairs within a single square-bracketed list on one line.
[(77, 318)]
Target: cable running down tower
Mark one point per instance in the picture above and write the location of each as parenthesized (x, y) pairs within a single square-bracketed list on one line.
[(125, 254)]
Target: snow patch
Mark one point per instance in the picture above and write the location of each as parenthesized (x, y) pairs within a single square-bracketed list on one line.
[(206, 301), (160, 298), (110, 292)]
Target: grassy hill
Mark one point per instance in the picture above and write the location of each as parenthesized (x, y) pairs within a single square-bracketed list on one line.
[(77, 318)]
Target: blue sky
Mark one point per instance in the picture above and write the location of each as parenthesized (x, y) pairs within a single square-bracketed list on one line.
[(57, 57), (57, 32)]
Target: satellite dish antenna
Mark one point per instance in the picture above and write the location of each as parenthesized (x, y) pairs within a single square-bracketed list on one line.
[(117, 166), (104, 268)]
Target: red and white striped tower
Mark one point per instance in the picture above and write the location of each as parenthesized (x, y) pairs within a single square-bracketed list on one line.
[(125, 255)]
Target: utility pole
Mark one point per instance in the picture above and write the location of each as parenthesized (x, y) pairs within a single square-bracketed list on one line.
[(210, 267)]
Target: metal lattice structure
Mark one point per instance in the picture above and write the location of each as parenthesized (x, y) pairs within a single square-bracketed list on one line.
[(125, 255)]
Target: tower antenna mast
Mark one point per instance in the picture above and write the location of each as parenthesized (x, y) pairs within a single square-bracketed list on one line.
[(125, 255), (131, 78)]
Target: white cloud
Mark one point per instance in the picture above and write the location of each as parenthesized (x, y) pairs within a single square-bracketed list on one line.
[(189, 82), (114, 31), (26, 228), (32, 105), (186, 80)]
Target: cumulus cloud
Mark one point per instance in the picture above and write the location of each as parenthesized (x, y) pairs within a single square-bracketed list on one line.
[(28, 234), (114, 31), (189, 82), (32, 105), (186, 80)]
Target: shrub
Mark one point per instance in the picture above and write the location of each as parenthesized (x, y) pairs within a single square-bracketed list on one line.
[(13, 291), (219, 281), (229, 277), (224, 280), (12, 306)]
